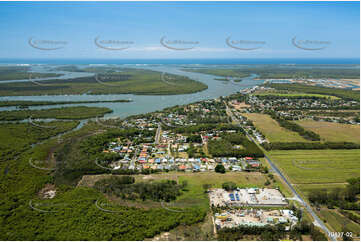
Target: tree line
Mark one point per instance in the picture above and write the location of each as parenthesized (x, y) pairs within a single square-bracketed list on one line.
[(225, 146), (345, 198), (307, 134), (338, 92), (309, 145), (271, 233)]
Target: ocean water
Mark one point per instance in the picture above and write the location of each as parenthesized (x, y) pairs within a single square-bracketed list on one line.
[(284, 61)]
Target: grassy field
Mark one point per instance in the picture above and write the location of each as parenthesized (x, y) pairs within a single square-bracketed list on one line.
[(271, 129), (301, 88), (318, 166), (305, 95), (129, 81), (340, 223), (307, 188), (333, 132), (195, 192)]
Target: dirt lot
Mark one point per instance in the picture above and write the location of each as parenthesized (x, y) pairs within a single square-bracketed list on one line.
[(240, 106)]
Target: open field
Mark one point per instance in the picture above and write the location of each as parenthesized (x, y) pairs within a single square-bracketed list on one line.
[(271, 129), (129, 81), (333, 132), (195, 194), (340, 223), (307, 188), (318, 166), (338, 92), (241, 105)]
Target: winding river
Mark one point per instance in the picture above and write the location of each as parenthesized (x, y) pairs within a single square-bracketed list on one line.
[(141, 103)]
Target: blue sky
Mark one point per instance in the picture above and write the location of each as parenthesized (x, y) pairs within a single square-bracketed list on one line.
[(208, 24)]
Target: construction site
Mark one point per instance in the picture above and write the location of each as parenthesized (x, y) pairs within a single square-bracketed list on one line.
[(247, 197), (254, 217)]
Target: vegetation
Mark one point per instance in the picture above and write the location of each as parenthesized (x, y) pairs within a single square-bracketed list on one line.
[(344, 198), (206, 126), (25, 104), (352, 215), (125, 188), (340, 223), (318, 166), (272, 130), (275, 72), (225, 147), (338, 92), (309, 146), (73, 209), (270, 233), (79, 112), (277, 95), (333, 132), (270, 72), (307, 134), (220, 169), (77, 157), (16, 138), (229, 186), (219, 72), (129, 81), (21, 72)]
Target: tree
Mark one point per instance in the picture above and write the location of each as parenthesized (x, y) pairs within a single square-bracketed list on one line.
[(206, 187), (220, 169), (229, 186)]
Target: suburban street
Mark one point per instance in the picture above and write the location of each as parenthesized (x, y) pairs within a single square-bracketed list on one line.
[(318, 222), (157, 134)]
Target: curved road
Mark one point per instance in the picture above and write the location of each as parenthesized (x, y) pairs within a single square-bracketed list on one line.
[(318, 221)]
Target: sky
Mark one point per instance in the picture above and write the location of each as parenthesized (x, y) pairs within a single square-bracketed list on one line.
[(171, 30)]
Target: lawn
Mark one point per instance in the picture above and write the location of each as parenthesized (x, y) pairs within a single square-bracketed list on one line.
[(271, 129), (340, 223), (333, 132), (318, 166)]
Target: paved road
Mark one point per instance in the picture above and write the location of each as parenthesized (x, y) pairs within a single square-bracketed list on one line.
[(157, 134), (318, 221), (308, 207)]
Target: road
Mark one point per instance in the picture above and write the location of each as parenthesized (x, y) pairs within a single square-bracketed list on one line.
[(157, 134), (318, 221)]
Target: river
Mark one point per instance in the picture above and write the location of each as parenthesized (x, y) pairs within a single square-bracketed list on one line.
[(141, 103)]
